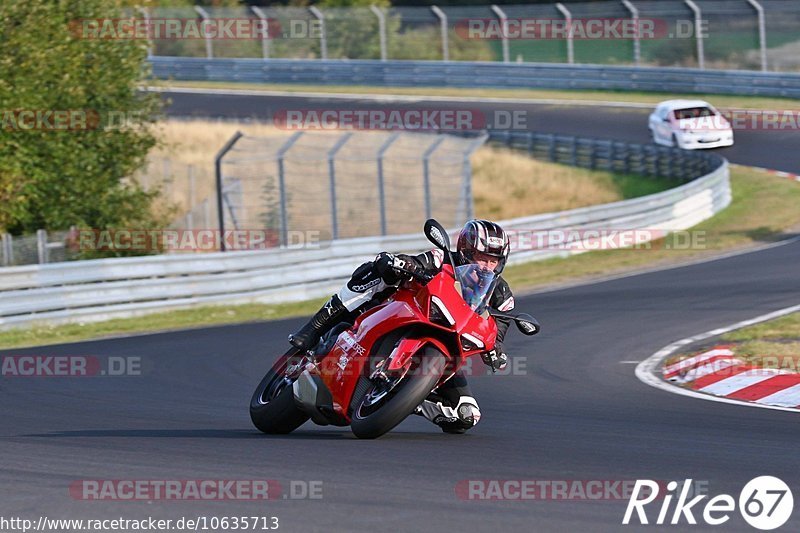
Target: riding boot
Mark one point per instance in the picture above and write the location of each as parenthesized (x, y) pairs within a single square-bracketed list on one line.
[(328, 316)]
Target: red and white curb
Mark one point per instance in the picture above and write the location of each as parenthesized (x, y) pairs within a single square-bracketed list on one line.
[(725, 384), (719, 372), (779, 173)]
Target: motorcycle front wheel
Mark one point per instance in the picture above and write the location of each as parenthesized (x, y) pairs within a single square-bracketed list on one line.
[(381, 402)]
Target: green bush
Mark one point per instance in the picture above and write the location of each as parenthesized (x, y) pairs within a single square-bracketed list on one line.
[(55, 177)]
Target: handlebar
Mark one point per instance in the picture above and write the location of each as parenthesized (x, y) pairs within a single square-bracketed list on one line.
[(424, 278)]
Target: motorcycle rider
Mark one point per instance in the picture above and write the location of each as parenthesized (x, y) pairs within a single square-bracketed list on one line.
[(480, 242)]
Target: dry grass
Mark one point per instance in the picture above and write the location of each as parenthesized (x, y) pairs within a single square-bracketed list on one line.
[(506, 184)]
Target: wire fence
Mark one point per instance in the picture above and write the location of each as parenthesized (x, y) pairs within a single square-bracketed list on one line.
[(339, 185), (722, 34), (186, 188), (42, 247)]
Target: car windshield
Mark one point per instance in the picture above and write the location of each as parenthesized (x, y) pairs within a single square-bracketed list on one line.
[(693, 112), (476, 286)]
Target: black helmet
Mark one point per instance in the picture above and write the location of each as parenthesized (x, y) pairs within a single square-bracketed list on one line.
[(484, 237)]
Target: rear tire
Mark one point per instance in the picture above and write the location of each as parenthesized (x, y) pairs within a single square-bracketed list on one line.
[(368, 422), (272, 407)]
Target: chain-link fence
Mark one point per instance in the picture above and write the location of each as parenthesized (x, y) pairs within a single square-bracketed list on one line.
[(188, 189), (43, 247), (737, 34), (317, 185)]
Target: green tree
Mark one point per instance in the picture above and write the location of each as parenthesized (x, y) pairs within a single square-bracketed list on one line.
[(52, 177)]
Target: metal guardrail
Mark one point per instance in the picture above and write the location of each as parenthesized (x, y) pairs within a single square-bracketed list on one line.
[(614, 156), (110, 288), (714, 34), (478, 75)]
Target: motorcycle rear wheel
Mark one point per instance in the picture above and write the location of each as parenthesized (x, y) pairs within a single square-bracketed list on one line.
[(272, 407)]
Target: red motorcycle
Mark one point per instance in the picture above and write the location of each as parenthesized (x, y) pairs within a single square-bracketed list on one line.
[(372, 374)]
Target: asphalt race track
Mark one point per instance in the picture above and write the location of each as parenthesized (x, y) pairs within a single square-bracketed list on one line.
[(574, 411), (769, 149)]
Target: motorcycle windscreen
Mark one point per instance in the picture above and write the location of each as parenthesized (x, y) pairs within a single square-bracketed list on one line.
[(476, 286)]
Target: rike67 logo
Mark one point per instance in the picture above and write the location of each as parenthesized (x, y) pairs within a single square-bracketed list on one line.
[(765, 503)]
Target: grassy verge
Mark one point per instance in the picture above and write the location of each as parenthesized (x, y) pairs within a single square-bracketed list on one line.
[(773, 344), (763, 208), (188, 318), (740, 102)]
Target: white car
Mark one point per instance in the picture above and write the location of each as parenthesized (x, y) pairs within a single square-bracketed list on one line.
[(689, 124)]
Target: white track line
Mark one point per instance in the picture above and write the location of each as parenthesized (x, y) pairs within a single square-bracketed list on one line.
[(648, 370)]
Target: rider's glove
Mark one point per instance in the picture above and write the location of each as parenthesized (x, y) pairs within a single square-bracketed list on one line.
[(395, 268), (496, 359)]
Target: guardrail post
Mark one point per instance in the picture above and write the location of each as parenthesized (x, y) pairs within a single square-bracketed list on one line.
[(265, 37), (209, 47), (218, 169), (41, 245), (574, 151), (504, 28), (282, 186), (381, 189), (637, 45), (762, 33), (7, 242), (426, 178), (551, 147), (443, 24), (698, 32), (323, 37), (332, 176), (570, 32), (381, 31), (670, 165)]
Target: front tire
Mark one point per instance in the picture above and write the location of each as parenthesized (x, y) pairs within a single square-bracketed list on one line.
[(375, 412), (272, 407)]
